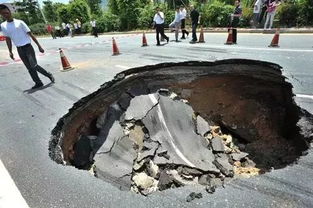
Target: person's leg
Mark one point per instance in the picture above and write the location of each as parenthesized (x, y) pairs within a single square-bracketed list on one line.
[(234, 35), (272, 15), (183, 28), (157, 32), (176, 30), (267, 20), (96, 32), (162, 33), (23, 53), (194, 32), (31, 56)]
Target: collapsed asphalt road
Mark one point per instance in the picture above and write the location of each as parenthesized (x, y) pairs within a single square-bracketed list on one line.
[(169, 125)]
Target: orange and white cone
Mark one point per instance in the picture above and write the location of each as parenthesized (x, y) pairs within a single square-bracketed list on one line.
[(229, 40), (144, 40), (201, 37), (275, 40), (65, 64), (115, 48)]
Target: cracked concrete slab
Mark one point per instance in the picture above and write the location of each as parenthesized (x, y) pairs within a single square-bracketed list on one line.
[(169, 123)]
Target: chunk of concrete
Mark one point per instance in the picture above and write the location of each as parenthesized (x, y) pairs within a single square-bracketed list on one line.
[(217, 144), (238, 156), (202, 126), (170, 123), (222, 163), (140, 106)]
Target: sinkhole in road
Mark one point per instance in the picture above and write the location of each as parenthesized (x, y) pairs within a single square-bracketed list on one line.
[(193, 123)]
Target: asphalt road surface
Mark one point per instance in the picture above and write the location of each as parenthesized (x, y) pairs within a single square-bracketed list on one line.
[(26, 120)]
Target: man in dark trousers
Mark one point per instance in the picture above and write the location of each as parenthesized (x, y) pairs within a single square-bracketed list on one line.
[(183, 14), (194, 15), (235, 17), (158, 21), (17, 31)]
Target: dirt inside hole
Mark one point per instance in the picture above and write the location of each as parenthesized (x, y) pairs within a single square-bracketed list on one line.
[(170, 125)]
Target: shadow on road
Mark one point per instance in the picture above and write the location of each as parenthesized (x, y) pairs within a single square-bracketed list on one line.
[(30, 91)]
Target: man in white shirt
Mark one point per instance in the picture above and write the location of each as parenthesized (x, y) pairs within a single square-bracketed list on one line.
[(158, 21), (17, 31), (94, 28), (176, 24), (183, 14)]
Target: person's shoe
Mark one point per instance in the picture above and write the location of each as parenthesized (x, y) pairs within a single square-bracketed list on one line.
[(158, 44), (193, 42), (51, 78), (182, 38), (168, 39), (37, 85), (177, 41)]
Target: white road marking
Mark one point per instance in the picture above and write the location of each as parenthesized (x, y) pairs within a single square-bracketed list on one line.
[(123, 67), (305, 96), (178, 152), (10, 197)]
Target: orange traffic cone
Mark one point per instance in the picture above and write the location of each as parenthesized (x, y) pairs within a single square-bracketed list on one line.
[(201, 37), (229, 40), (65, 64), (144, 40), (115, 48), (275, 40)]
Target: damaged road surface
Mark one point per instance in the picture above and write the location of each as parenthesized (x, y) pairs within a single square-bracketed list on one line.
[(194, 123)]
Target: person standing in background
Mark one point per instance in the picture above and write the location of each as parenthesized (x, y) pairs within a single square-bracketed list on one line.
[(235, 18), (176, 23), (194, 15), (64, 30), (271, 11), (158, 22), (17, 31), (58, 32), (94, 28), (79, 25), (51, 31), (76, 28), (256, 12), (183, 14)]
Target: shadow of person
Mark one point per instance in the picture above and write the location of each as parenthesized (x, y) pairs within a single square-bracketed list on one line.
[(30, 91)]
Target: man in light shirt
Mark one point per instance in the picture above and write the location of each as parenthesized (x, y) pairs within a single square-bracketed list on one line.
[(94, 28), (256, 12), (17, 31), (183, 14), (176, 24), (158, 21)]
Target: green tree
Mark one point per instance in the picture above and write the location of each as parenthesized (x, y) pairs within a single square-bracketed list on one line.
[(63, 13), (50, 11), (30, 10), (79, 9), (94, 6)]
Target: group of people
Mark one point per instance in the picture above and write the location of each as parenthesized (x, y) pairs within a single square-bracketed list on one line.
[(178, 23), (264, 8), (70, 29)]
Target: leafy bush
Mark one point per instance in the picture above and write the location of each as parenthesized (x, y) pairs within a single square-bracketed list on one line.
[(216, 14), (108, 22), (38, 29), (305, 12), (86, 27), (287, 14), (246, 18), (146, 15)]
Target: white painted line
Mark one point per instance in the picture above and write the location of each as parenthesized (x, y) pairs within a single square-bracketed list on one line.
[(123, 67), (161, 117), (305, 96), (10, 197), (236, 47)]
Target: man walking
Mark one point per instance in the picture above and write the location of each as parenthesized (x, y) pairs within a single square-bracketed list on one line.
[(194, 15), (256, 12), (158, 21), (176, 23), (17, 31), (183, 14)]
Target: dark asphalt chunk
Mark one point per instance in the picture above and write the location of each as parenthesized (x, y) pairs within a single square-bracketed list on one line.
[(192, 196)]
